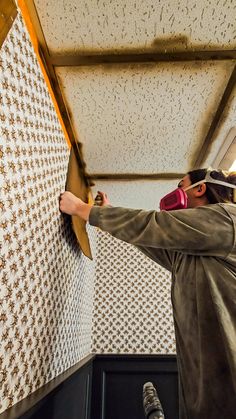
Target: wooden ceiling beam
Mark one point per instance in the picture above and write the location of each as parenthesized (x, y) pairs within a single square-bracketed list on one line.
[(216, 120), (135, 176), (122, 58)]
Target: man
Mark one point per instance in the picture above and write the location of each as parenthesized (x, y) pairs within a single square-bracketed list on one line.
[(197, 244)]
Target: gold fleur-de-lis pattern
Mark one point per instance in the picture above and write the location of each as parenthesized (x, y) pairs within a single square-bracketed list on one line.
[(46, 284), (132, 304)]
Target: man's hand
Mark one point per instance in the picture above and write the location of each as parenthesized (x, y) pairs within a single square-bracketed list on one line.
[(72, 205), (104, 198)]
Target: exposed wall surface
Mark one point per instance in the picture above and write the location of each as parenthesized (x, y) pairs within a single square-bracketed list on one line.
[(46, 291), (132, 309)]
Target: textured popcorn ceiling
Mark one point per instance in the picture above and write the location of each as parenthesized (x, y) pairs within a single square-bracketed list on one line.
[(93, 25), (144, 118)]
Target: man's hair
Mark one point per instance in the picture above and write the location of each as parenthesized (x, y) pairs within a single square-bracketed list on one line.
[(216, 193)]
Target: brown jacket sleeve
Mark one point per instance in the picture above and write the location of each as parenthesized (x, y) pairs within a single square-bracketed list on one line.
[(203, 231)]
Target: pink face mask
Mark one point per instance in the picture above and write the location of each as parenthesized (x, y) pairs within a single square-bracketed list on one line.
[(174, 200), (178, 198)]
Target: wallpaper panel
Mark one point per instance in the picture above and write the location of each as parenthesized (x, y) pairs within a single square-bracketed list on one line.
[(132, 304), (46, 284)]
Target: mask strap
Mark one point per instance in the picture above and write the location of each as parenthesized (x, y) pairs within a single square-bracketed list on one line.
[(200, 182), (209, 179)]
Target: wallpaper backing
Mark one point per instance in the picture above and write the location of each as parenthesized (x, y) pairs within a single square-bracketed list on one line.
[(132, 306), (46, 284)]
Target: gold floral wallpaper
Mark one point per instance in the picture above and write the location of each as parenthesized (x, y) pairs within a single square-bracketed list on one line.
[(132, 303), (46, 284), (48, 321)]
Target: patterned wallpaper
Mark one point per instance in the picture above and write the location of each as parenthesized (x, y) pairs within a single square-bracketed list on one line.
[(46, 284), (132, 309)]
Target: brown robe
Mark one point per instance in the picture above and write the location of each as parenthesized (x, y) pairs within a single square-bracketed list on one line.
[(199, 247)]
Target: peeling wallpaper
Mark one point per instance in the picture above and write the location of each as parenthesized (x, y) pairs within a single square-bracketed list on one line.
[(46, 284), (135, 25)]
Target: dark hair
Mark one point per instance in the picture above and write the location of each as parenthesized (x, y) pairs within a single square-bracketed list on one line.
[(216, 193)]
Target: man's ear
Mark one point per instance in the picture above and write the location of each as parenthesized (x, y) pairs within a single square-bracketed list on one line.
[(201, 190)]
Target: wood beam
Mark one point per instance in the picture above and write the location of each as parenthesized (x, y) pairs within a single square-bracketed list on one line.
[(135, 176), (216, 119), (8, 13), (122, 58), (227, 153)]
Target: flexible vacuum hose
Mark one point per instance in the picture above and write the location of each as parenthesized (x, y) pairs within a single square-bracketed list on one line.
[(151, 403)]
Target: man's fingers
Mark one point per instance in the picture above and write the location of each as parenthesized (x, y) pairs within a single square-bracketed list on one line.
[(102, 193)]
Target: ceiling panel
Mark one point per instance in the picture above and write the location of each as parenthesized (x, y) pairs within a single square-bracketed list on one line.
[(146, 118), (136, 194), (77, 26)]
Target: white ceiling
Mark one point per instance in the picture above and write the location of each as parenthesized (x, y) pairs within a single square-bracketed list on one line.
[(142, 118), (98, 25)]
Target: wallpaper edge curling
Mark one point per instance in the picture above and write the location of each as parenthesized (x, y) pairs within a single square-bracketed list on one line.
[(85, 193), (8, 13)]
